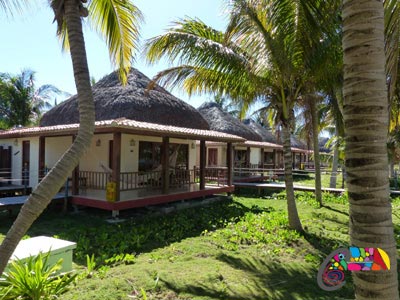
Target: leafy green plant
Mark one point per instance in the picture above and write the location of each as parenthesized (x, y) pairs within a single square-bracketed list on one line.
[(256, 229), (90, 266), (306, 197), (333, 198), (124, 258), (34, 279)]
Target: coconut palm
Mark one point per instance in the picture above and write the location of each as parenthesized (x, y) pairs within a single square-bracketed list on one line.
[(21, 103), (331, 112), (118, 21), (366, 126), (261, 56)]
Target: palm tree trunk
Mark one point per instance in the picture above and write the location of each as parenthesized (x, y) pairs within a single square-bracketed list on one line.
[(366, 123), (294, 220), (48, 187), (317, 160), (335, 161)]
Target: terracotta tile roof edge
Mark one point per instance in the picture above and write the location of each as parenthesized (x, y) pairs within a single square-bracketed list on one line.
[(126, 123), (263, 144)]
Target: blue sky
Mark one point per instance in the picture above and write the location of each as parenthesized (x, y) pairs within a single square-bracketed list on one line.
[(29, 41)]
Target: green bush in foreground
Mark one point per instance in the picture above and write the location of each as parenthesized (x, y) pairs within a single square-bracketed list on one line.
[(34, 279)]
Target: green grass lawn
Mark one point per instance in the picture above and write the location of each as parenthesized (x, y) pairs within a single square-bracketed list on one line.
[(325, 180), (235, 250)]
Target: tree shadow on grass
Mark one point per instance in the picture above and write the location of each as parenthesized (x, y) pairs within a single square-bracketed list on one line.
[(262, 280), (141, 233), (324, 245), (336, 210)]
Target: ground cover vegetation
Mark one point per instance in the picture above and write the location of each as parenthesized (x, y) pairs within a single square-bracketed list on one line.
[(231, 249)]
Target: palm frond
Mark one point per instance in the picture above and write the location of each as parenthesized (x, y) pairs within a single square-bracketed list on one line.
[(9, 7), (191, 42), (117, 21)]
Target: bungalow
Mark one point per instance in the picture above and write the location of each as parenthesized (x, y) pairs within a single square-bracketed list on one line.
[(248, 155), (143, 151), (259, 154)]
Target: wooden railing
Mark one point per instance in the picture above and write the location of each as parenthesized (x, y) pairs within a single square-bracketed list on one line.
[(5, 176), (93, 180), (262, 172), (213, 175), (180, 178), (135, 180)]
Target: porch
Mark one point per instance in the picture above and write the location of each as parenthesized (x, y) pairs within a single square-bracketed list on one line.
[(135, 186), (145, 197)]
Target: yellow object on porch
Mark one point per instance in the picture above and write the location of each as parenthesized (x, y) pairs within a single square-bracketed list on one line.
[(111, 191)]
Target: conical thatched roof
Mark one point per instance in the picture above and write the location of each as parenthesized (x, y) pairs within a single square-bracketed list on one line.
[(322, 142), (265, 133), (224, 122), (295, 142), (133, 101)]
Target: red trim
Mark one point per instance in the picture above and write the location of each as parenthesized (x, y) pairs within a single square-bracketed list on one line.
[(102, 204)]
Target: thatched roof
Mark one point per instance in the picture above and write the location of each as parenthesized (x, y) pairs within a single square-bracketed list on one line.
[(224, 122), (295, 142), (321, 143), (133, 101), (265, 133)]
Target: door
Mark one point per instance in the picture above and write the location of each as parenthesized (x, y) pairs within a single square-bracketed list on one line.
[(5, 164), (110, 154), (26, 150)]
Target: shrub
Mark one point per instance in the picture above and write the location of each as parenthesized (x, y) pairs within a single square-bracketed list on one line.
[(34, 279)]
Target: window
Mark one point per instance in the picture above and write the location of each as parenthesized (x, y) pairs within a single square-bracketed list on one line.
[(150, 156), (182, 160), (268, 157), (212, 156), (240, 158)]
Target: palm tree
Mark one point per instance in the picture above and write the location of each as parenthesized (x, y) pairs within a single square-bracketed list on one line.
[(261, 56), (366, 127), (331, 112), (21, 102), (118, 21)]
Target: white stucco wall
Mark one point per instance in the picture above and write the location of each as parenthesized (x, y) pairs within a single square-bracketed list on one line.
[(129, 154), (96, 154), (221, 157), (55, 148)]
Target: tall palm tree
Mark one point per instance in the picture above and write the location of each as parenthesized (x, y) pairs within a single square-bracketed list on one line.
[(21, 102), (366, 126), (120, 20), (261, 56)]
